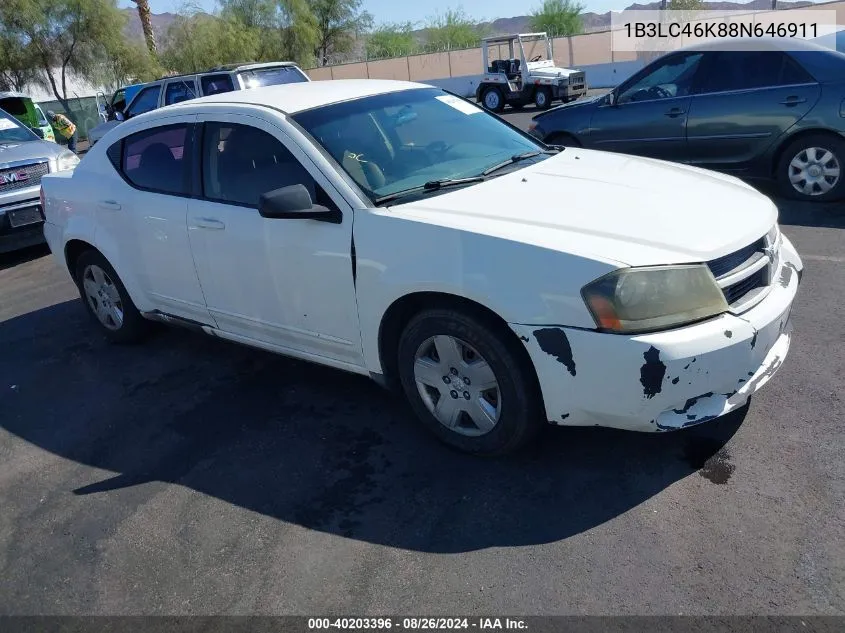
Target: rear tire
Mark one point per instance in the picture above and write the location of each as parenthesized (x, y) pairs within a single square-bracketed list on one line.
[(542, 98), (467, 382), (812, 168), (492, 99), (107, 301)]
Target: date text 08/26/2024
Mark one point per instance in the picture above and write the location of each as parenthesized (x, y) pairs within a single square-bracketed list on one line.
[(416, 623)]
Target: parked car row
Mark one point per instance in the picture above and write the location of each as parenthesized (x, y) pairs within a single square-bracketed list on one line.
[(774, 112), (397, 231), (175, 89)]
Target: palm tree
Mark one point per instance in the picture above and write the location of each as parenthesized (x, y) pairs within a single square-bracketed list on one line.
[(146, 24)]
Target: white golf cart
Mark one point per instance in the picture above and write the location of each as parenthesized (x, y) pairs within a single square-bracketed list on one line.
[(527, 75)]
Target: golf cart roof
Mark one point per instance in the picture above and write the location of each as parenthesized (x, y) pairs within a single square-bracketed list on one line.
[(513, 36), (12, 94)]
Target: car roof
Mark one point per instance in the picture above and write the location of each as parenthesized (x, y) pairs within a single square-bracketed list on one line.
[(248, 66), (756, 43), (292, 98)]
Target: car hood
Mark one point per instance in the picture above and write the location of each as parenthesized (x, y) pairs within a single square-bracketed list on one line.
[(98, 132), (580, 103), (610, 207), (15, 151)]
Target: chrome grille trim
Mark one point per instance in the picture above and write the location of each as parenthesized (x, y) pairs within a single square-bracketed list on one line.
[(745, 276)]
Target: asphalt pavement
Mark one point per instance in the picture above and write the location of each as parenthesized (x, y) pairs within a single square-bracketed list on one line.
[(192, 476)]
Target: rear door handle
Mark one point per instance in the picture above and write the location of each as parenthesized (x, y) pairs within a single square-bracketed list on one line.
[(111, 205), (673, 112), (209, 223), (793, 100)]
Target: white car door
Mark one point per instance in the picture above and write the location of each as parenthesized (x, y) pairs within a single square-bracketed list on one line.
[(287, 283), (144, 213)]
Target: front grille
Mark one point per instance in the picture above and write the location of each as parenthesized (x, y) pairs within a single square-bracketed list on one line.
[(726, 264), (752, 264), (738, 290), (23, 176), (576, 79)]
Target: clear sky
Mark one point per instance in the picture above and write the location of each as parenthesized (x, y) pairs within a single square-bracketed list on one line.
[(409, 10)]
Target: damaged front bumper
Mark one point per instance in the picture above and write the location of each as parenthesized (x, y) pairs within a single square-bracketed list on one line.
[(665, 380)]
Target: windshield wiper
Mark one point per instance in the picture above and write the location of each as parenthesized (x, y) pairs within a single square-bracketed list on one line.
[(431, 185), (513, 159)]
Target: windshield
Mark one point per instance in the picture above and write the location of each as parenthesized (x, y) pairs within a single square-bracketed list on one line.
[(401, 140), (272, 76), (13, 132)]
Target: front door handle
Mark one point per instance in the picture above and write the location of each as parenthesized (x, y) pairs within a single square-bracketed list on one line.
[(209, 223), (792, 100), (674, 112), (111, 205)]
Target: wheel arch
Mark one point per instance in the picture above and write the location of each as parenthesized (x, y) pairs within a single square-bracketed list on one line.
[(73, 250), (786, 141), (402, 310)]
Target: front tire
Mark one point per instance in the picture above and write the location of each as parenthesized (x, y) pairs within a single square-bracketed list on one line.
[(493, 99), (467, 382), (107, 300), (812, 168)]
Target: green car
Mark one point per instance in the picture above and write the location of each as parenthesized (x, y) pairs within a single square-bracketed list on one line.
[(27, 112)]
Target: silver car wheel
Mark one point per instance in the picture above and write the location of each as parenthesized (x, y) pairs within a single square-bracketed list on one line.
[(491, 99), (103, 297), (457, 385), (540, 98), (814, 171)]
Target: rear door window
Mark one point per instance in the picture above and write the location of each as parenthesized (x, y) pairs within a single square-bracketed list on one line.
[(215, 84), (180, 90), (157, 159), (744, 70)]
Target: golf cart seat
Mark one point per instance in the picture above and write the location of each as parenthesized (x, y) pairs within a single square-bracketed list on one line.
[(499, 66)]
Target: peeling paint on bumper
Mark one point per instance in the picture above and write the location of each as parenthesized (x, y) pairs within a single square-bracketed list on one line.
[(666, 380)]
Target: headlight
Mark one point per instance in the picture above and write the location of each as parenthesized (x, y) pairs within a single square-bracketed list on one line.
[(66, 160), (653, 298)]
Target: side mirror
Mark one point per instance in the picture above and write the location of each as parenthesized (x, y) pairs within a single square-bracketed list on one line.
[(38, 132), (119, 116), (611, 98), (294, 203)]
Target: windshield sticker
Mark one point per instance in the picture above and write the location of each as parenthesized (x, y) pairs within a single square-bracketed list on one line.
[(459, 104), (6, 124)]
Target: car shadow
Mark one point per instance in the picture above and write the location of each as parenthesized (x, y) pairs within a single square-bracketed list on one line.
[(22, 256), (313, 446), (797, 213)]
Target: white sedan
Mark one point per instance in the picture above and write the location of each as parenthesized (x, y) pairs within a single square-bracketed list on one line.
[(394, 230)]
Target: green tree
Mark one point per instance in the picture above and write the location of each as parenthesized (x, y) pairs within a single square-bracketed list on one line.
[(392, 40), (64, 36), (18, 63), (453, 29), (339, 24), (127, 63), (685, 5), (557, 18), (251, 13), (199, 41)]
